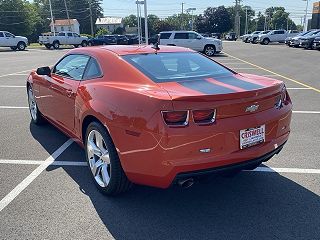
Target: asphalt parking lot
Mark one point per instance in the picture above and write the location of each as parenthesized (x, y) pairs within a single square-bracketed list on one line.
[(46, 191)]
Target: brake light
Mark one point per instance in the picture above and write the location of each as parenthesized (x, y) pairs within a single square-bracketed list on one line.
[(176, 118), (204, 116), (283, 99)]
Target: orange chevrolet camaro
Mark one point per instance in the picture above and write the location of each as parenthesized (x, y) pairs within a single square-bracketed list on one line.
[(160, 115)]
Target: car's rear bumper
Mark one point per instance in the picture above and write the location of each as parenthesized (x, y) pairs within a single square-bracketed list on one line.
[(156, 160)]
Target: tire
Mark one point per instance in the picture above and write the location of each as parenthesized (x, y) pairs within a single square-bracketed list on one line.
[(254, 41), (36, 116), (76, 46), (104, 162), (48, 46), (56, 45), (90, 44), (21, 46), (210, 50), (266, 41), (84, 44), (13, 48)]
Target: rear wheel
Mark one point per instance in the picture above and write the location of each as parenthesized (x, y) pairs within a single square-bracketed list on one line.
[(210, 50), (36, 116), (56, 45), (21, 46), (84, 44), (104, 161), (266, 41)]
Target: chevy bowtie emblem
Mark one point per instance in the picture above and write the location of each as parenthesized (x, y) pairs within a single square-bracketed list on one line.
[(252, 108)]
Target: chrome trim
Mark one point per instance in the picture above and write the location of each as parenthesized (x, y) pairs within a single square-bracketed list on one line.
[(186, 123), (252, 108), (209, 122)]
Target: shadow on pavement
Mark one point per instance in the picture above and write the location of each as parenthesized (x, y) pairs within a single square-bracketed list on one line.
[(248, 206)]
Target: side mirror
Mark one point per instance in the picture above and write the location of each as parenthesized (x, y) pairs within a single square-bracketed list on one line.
[(44, 71)]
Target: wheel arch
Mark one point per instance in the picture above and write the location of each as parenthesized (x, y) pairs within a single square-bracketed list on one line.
[(210, 44)]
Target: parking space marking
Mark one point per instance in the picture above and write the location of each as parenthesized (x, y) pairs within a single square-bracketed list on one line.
[(244, 68), (274, 73), (16, 73), (11, 107), (286, 170), (307, 112), (37, 162), (299, 88), (8, 86), (28, 180)]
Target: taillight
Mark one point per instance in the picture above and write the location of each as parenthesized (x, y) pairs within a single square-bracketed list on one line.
[(204, 116), (282, 99), (176, 118)]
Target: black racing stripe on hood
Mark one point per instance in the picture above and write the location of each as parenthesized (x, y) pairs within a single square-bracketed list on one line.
[(231, 80), (205, 87)]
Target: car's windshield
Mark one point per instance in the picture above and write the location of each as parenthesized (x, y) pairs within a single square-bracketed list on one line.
[(256, 32), (175, 67)]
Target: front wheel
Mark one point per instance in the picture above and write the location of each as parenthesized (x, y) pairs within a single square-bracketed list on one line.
[(21, 46), (266, 41), (56, 45), (104, 161), (36, 116), (210, 50)]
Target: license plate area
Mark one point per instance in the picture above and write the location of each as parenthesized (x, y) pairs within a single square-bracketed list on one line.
[(252, 136)]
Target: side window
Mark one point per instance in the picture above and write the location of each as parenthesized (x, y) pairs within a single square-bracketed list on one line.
[(181, 36), (69, 34), (165, 35), (61, 34), (93, 70), (8, 34), (1, 34), (193, 36), (76, 35), (72, 66)]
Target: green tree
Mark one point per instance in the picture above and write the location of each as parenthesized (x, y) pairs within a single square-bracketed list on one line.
[(130, 21), (216, 19)]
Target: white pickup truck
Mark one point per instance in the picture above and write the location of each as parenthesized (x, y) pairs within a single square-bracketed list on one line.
[(193, 40), (14, 42), (62, 38), (276, 36)]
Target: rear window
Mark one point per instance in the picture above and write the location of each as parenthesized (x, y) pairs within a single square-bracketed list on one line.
[(175, 67), (165, 35), (181, 36)]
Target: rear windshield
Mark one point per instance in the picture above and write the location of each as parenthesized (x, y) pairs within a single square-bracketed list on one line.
[(175, 67)]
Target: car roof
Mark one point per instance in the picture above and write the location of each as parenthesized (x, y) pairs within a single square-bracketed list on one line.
[(130, 49)]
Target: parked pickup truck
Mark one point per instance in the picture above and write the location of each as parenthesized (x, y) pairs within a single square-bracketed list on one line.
[(276, 36), (14, 42), (63, 38)]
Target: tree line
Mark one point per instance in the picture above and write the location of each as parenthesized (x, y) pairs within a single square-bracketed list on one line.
[(30, 19)]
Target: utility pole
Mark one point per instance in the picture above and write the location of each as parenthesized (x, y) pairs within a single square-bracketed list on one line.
[(65, 4), (246, 28), (237, 18), (52, 20), (182, 12), (91, 18), (305, 24), (146, 22)]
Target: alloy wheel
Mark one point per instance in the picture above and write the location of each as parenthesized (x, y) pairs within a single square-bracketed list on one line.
[(98, 157), (210, 51), (32, 105)]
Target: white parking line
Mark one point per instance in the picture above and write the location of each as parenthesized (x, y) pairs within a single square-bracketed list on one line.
[(299, 88), (8, 86), (307, 112), (16, 73), (84, 164), (11, 107), (28, 180), (244, 68)]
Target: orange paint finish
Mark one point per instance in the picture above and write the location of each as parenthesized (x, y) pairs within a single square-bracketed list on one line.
[(129, 105)]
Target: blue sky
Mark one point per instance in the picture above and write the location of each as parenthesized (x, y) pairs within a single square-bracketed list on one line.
[(164, 8)]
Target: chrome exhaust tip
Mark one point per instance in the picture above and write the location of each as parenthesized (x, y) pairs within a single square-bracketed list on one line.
[(186, 183)]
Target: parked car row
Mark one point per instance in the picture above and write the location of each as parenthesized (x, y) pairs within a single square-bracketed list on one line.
[(306, 40), (266, 37)]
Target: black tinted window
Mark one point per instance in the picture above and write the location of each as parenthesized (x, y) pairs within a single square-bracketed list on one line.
[(1, 34), (165, 35), (93, 70), (72, 66), (69, 34), (175, 67), (192, 36), (181, 36), (8, 34)]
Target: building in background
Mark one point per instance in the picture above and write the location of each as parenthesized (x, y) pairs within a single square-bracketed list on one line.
[(315, 22), (61, 25), (109, 23)]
